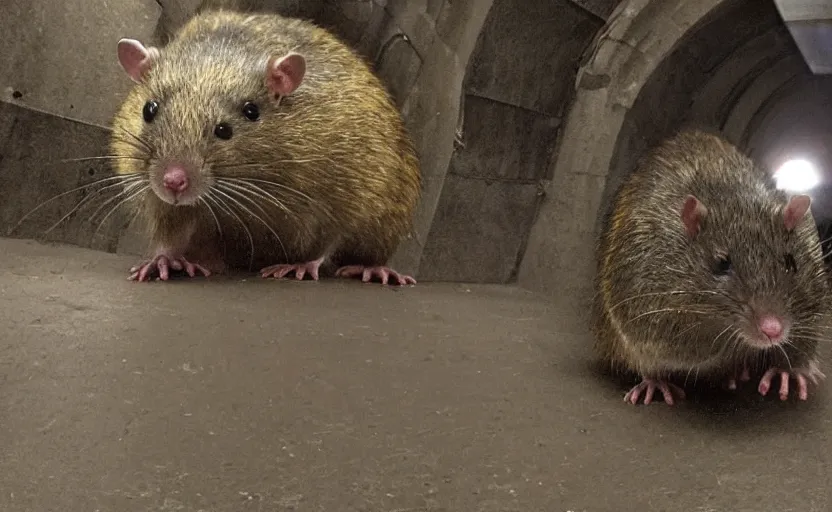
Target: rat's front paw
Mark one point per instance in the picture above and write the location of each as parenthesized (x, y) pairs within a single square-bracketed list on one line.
[(281, 270), (383, 274), (649, 387), (810, 373), (161, 265)]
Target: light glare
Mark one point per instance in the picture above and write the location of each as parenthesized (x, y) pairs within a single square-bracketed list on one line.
[(796, 176)]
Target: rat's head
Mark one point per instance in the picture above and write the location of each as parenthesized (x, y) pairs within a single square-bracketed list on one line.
[(196, 111), (756, 261)]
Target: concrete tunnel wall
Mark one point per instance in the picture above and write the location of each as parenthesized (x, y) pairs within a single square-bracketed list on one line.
[(526, 116)]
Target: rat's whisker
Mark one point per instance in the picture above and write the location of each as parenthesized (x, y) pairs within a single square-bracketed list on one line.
[(109, 179), (207, 205), (227, 197), (798, 349), (280, 186), (803, 337), (735, 339), (237, 193), (89, 198), (143, 143), (687, 376), (220, 203), (667, 293), (266, 167), (100, 157), (139, 149), (266, 224), (136, 213), (716, 338), (695, 325), (253, 189), (321, 207), (788, 361), (668, 310), (118, 205), (129, 189)]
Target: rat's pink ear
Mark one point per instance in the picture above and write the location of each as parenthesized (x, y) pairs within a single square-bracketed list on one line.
[(795, 209), (693, 211), (285, 74), (135, 58)]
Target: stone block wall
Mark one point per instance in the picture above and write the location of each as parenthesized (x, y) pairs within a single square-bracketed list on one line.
[(519, 81), (34, 177), (60, 84), (60, 57)]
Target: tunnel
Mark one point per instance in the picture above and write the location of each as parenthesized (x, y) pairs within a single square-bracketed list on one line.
[(527, 117), (516, 161)]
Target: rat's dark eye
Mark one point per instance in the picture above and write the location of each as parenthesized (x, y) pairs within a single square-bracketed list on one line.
[(223, 131), (151, 108), (722, 265), (251, 111), (791, 264)]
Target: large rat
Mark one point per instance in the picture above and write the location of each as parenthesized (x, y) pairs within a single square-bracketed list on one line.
[(706, 269), (259, 141)]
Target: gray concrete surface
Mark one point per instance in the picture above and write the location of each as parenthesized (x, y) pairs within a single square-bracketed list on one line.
[(235, 394)]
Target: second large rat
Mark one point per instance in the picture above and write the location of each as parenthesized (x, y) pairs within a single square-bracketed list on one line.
[(259, 141), (705, 269)]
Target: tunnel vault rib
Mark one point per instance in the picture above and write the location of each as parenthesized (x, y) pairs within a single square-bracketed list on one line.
[(637, 38)]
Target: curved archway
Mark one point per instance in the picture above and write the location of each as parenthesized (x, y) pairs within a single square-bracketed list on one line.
[(700, 81), (638, 37)]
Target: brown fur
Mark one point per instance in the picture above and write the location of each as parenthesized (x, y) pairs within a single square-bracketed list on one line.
[(336, 150), (660, 310)]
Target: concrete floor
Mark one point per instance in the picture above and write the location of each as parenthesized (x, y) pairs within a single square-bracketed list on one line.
[(235, 394)]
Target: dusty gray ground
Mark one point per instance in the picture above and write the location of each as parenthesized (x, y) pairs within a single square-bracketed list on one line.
[(233, 395)]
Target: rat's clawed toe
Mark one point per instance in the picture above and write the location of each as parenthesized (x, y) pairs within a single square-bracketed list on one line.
[(161, 265), (384, 274), (801, 375), (281, 270), (649, 387), (765, 384)]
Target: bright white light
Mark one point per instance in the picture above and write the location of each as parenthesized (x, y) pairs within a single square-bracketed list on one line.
[(797, 176)]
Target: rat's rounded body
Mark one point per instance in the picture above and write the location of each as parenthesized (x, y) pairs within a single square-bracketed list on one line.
[(257, 140), (705, 270)]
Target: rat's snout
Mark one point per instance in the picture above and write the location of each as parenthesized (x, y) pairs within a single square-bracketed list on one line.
[(772, 327), (767, 329), (175, 179), (176, 183), (766, 323)]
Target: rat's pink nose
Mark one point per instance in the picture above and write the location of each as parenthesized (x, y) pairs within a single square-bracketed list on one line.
[(771, 326), (175, 179)]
